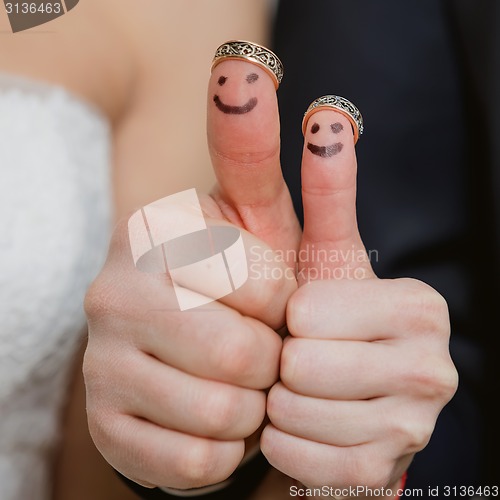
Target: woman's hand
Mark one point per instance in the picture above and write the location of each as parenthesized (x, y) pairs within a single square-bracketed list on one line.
[(171, 395)]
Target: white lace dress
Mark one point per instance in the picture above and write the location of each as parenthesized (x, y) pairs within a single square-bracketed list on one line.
[(54, 230)]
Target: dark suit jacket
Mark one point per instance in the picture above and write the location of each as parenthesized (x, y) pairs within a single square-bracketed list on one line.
[(426, 77)]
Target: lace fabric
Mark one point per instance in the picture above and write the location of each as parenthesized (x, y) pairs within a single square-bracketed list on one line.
[(55, 208)]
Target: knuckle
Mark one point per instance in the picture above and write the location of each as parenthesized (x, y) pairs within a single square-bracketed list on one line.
[(221, 411), (419, 377), (93, 303), (104, 294), (278, 404), (369, 470), (432, 377), (234, 358), (104, 299), (248, 357), (270, 361), (270, 290), (446, 383), (197, 464), (376, 478), (270, 445), (299, 311), (435, 307), (414, 433), (426, 309), (290, 362), (106, 430)]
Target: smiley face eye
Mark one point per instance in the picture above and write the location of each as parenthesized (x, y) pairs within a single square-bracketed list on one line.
[(252, 77), (337, 127), (222, 80), (315, 128)]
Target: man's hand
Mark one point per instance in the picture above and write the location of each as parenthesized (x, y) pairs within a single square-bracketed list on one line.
[(366, 369)]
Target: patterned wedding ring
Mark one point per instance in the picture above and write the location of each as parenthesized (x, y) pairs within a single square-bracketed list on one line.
[(341, 105), (253, 53)]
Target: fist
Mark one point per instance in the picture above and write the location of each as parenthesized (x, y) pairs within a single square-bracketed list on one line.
[(171, 395), (366, 369)]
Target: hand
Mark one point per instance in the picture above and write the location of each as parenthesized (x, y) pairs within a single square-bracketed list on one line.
[(366, 369), (172, 395)]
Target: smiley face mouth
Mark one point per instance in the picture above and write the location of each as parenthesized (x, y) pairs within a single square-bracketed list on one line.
[(325, 151), (235, 110)]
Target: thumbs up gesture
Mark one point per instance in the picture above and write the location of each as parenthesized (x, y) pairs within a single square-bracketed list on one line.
[(355, 387), (366, 369), (173, 394)]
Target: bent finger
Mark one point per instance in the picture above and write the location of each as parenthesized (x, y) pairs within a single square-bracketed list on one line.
[(147, 453), (200, 407)]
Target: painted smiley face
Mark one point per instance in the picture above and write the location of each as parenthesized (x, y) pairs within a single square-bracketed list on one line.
[(330, 150), (236, 110)]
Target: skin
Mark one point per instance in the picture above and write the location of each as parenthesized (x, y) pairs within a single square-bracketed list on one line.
[(251, 78), (174, 398), (124, 59), (330, 149), (355, 387)]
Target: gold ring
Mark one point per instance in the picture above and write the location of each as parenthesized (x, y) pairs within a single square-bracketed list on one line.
[(253, 53), (341, 105)]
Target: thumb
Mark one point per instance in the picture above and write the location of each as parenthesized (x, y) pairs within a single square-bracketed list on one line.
[(331, 246), (244, 141)]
